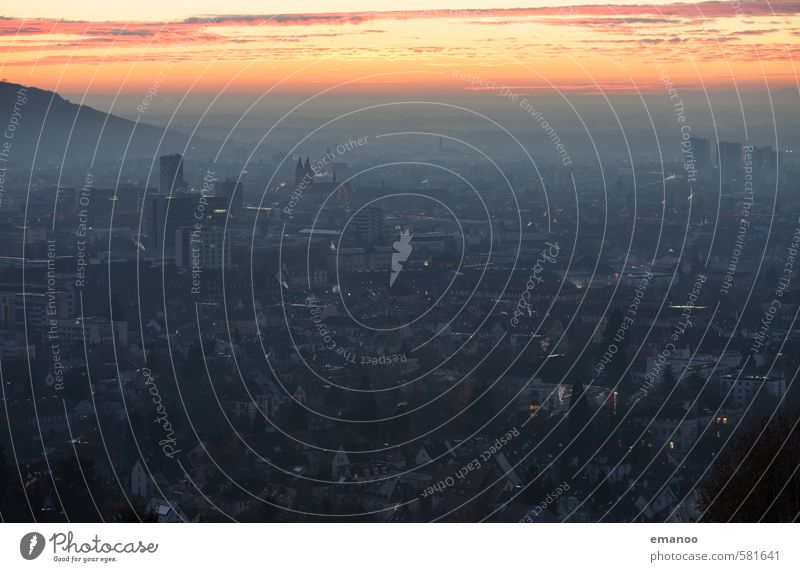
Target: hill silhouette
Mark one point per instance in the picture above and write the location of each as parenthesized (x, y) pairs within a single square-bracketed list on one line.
[(50, 127)]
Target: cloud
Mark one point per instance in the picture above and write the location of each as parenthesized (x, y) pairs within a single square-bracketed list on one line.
[(662, 27), (639, 13), (20, 31), (581, 88), (282, 19), (755, 32), (123, 32), (597, 15)]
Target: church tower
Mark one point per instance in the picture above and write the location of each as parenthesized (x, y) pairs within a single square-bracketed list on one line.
[(308, 174), (304, 175), (299, 172)]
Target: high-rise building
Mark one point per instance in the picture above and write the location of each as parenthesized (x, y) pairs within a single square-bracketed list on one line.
[(205, 249), (234, 191), (765, 158), (166, 214), (368, 225), (729, 160), (765, 164), (154, 218), (702, 155), (171, 174)]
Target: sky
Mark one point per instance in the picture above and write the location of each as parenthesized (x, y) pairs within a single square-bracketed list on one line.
[(100, 10), (439, 46)]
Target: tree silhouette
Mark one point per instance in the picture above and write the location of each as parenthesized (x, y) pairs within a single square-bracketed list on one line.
[(578, 417), (78, 489), (131, 514), (667, 380), (364, 405), (298, 416), (757, 478)]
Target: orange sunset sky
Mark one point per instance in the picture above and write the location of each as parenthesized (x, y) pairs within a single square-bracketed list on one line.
[(445, 46)]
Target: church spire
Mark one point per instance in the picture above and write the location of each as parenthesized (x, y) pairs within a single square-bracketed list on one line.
[(309, 172), (299, 172)]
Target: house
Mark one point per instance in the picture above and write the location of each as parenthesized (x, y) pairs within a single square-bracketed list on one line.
[(279, 495), (675, 430), (141, 485), (742, 389), (340, 464), (164, 512)]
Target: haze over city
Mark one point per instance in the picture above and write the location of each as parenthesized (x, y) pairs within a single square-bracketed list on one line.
[(307, 262)]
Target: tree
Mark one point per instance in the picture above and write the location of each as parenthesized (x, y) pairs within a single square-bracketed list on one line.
[(625, 391), (667, 381), (617, 365), (364, 406), (578, 414), (4, 474), (612, 326), (78, 489), (6, 498), (401, 423), (116, 310), (194, 367), (756, 478), (298, 416), (691, 386), (130, 514)]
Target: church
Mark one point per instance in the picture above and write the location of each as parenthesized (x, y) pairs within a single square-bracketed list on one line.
[(310, 183)]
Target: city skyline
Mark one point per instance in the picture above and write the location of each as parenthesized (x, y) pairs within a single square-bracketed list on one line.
[(379, 263)]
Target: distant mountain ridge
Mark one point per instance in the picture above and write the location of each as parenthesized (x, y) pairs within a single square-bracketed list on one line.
[(43, 125)]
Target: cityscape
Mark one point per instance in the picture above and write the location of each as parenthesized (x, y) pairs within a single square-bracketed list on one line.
[(486, 300)]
